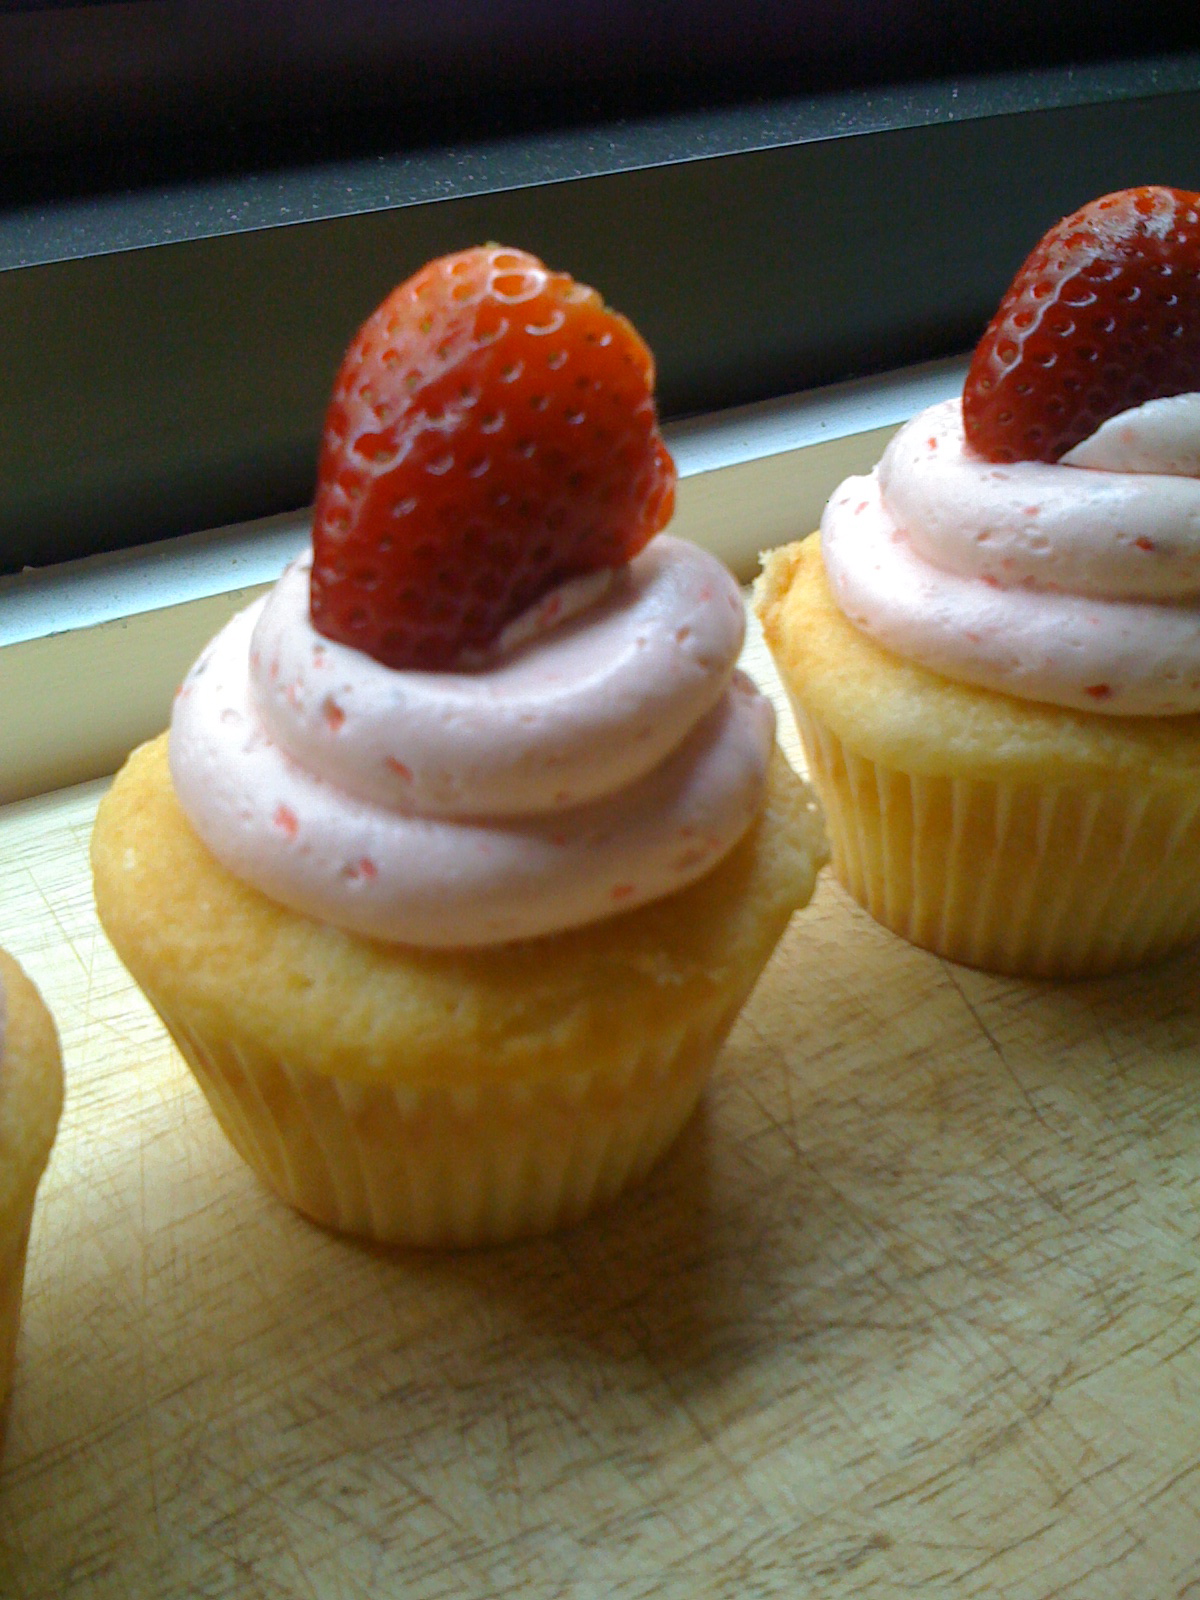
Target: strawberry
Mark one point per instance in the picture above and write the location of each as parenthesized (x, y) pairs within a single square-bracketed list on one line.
[(492, 433), (1104, 315)]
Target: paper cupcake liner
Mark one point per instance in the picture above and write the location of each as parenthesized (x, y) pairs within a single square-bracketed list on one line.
[(13, 1248), (1033, 880), (460, 1166)]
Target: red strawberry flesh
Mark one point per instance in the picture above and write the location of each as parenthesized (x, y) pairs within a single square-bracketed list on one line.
[(492, 433), (1104, 315)]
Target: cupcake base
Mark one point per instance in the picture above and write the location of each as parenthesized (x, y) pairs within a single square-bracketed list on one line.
[(1041, 882), (434, 1166), (12, 1285), (30, 1103), (429, 1097), (1020, 838)]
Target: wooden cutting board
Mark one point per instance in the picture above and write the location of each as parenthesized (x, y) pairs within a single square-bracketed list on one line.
[(911, 1309)]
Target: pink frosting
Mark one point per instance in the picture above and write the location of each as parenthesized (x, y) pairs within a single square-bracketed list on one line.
[(599, 762), (1076, 583)]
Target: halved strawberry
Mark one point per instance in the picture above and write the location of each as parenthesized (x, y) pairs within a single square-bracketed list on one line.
[(492, 433), (1104, 315)]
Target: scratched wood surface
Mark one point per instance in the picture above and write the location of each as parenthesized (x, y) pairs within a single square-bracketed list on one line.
[(914, 1307)]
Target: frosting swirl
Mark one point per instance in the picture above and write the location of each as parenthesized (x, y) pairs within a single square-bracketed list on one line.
[(599, 762), (1076, 583)]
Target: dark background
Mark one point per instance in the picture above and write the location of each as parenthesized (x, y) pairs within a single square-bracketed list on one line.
[(107, 94), (200, 201)]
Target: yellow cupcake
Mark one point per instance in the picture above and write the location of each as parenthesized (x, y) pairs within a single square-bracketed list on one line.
[(371, 893), (1003, 833), (442, 1097), (30, 1102)]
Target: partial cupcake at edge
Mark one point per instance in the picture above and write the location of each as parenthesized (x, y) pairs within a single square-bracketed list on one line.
[(468, 843), (993, 645), (31, 1091)]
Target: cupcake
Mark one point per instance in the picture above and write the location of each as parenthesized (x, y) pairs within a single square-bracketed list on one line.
[(993, 646), (467, 844), (30, 1102)]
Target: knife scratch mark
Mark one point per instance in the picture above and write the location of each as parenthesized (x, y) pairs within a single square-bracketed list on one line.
[(952, 979)]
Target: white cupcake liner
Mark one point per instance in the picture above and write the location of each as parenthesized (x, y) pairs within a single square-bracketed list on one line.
[(1043, 881), (452, 1165)]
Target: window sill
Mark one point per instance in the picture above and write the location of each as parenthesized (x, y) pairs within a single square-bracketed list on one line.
[(91, 651)]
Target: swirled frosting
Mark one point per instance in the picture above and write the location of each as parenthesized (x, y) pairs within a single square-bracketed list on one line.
[(1075, 583), (606, 756)]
